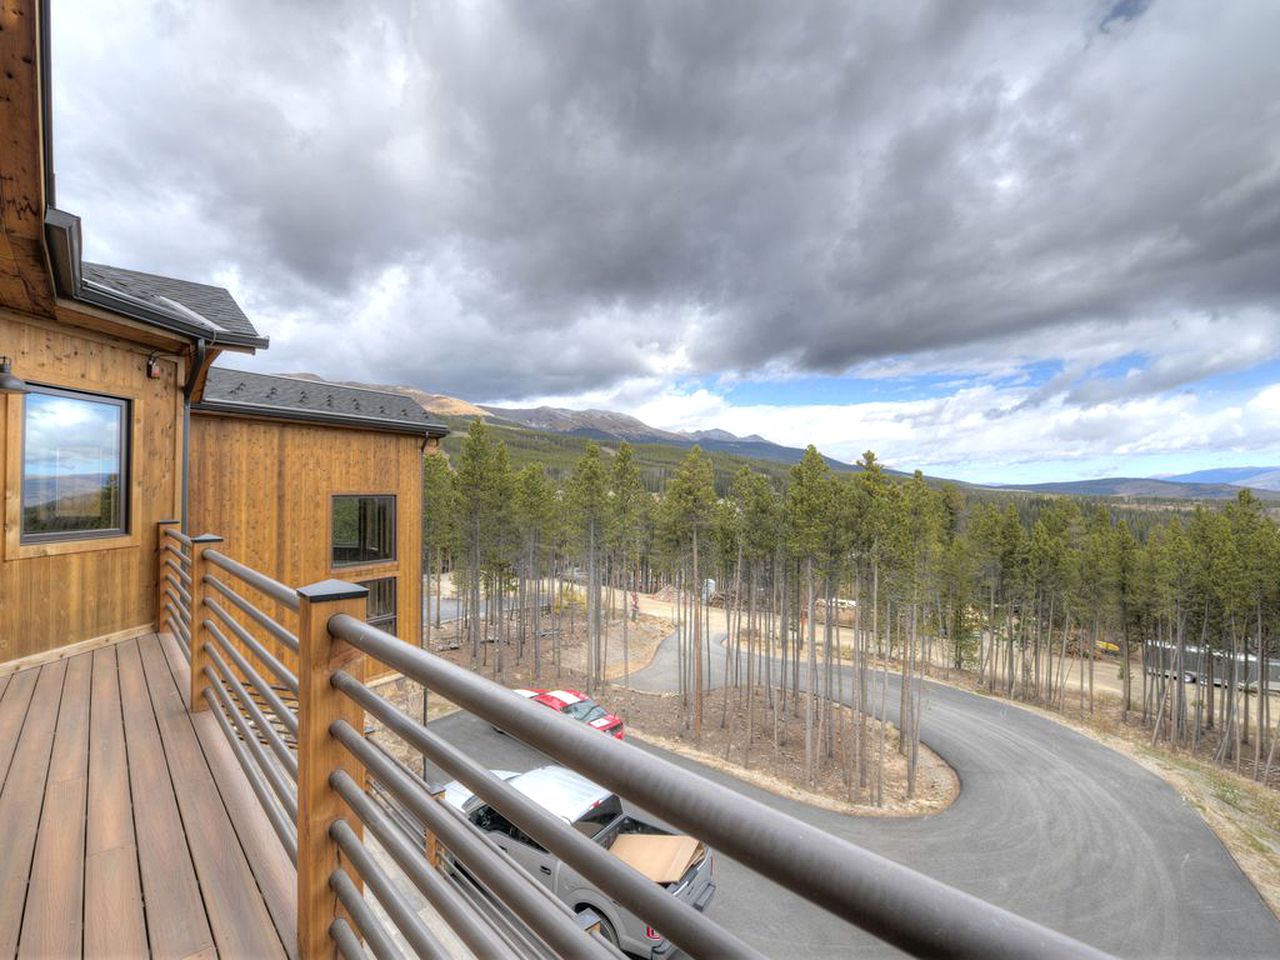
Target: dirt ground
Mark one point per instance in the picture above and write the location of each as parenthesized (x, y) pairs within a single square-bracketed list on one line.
[(655, 718), (779, 768)]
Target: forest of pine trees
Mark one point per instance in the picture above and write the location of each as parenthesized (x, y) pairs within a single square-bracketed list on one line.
[(1026, 600)]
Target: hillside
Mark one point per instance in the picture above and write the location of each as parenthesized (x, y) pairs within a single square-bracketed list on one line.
[(558, 452), (608, 426), (1133, 488), (1258, 478), (556, 437)]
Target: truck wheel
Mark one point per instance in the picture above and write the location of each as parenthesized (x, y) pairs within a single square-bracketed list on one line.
[(607, 931)]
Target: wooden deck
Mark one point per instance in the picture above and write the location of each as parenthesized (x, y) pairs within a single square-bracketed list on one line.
[(126, 826)]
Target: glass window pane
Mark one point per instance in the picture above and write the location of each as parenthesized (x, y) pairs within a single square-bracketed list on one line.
[(381, 609), (364, 529), (73, 464)]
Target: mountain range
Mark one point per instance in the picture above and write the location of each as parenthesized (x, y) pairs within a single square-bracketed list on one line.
[(608, 426)]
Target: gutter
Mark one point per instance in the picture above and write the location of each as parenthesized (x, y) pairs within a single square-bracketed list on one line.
[(62, 238), (257, 411)]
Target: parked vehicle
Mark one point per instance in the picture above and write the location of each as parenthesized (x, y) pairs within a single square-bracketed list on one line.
[(681, 864), (580, 707)]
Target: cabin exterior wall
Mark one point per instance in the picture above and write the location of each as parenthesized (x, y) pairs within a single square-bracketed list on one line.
[(267, 488), (63, 592)]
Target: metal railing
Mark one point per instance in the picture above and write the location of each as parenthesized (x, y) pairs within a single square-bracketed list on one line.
[(351, 816)]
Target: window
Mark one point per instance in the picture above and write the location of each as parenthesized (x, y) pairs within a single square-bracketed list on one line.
[(585, 710), (364, 530), (75, 449), (491, 821), (381, 611), (599, 817)]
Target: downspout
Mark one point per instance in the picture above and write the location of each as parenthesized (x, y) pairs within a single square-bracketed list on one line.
[(188, 388)]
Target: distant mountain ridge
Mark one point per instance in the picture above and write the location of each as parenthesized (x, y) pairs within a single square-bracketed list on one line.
[(1139, 488), (611, 426), (1258, 478)]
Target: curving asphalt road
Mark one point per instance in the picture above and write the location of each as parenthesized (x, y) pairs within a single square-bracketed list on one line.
[(1049, 824)]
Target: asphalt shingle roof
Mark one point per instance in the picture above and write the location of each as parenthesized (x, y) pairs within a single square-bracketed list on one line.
[(214, 304), (316, 399)]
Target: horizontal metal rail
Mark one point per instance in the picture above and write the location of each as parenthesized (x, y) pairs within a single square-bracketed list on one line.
[(278, 706), (183, 592), (423, 874), (362, 914), (340, 932), (283, 673), (679, 922), (523, 895), (178, 535), (284, 790), (259, 581), (398, 908), (284, 828), (176, 550), (916, 913), (177, 568), (250, 706), (180, 629), (178, 606), (289, 639)]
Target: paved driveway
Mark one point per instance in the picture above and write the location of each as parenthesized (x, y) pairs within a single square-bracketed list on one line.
[(1048, 824)]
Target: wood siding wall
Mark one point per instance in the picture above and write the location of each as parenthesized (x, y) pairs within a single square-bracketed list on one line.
[(267, 486), (56, 594)]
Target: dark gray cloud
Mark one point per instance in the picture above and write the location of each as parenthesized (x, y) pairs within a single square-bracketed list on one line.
[(505, 200)]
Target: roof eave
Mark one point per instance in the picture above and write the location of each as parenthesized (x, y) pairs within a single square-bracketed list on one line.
[(257, 411), (62, 233)]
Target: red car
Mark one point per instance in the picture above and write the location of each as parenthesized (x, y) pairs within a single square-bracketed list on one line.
[(580, 707)]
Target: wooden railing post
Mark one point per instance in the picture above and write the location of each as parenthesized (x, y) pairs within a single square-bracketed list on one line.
[(319, 754), (161, 553), (199, 659), (434, 851)]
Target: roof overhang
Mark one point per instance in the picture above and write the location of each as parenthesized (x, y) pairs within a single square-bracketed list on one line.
[(229, 408), (62, 237)]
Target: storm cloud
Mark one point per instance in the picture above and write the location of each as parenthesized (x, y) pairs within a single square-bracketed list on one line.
[(519, 200)]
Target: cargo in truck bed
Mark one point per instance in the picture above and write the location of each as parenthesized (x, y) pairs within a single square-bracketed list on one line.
[(661, 858)]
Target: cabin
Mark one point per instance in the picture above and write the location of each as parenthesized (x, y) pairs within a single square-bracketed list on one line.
[(132, 826), (115, 418), (311, 480)]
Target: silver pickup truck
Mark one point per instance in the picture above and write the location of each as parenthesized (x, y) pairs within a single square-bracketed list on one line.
[(681, 864)]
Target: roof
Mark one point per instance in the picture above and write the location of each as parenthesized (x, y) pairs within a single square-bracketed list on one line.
[(198, 303), (289, 398), (196, 311)]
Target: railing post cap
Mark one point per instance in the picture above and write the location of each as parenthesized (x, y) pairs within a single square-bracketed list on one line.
[(330, 590), (166, 522), (207, 538)]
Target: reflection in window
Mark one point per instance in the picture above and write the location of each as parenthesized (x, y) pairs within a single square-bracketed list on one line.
[(74, 454), (381, 609), (364, 530)]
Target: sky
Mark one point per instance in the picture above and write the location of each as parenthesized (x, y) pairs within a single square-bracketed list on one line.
[(999, 241)]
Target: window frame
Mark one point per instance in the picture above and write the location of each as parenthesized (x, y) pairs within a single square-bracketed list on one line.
[(394, 558), (124, 487)]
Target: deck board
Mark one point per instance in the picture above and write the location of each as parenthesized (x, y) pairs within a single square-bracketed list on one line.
[(239, 918), (275, 875), (114, 918), (122, 832), (51, 921), (22, 800), (175, 917), (13, 713)]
